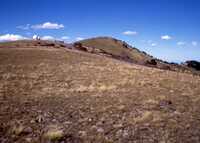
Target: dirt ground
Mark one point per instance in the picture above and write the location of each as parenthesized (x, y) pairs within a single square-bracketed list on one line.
[(65, 96)]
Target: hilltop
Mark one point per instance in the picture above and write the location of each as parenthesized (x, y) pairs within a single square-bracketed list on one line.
[(121, 50), (52, 92)]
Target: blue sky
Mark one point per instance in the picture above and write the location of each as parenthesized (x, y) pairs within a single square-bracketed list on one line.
[(167, 29)]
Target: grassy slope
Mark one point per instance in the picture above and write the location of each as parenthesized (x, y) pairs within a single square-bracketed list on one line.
[(115, 47), (89, 98), (123, 50), (31, 44)]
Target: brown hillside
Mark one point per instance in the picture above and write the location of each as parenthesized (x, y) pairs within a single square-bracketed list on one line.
[(117, 48), (121, 50), (63, 95)]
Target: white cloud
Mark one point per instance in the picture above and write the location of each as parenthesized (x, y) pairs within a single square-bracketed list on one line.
[(79, 38), (50, 38), (194, 43), (65, 38), (166, 37), (24, 27), (11, 37), (48, 25), (130, 33), (181, 43), (154, 44)]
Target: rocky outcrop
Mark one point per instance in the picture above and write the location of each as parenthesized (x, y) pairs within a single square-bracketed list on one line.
[(193, 64)]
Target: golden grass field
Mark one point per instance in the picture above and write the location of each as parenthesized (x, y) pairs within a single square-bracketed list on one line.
[(60, 95)]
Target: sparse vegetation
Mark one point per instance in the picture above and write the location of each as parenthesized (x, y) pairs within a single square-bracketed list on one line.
[(120, 50), (54, 134), (17, 129), (147, 116), (92, 98)]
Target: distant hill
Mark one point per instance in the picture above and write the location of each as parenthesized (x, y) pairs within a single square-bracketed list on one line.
[(117, 48), (121, 50)]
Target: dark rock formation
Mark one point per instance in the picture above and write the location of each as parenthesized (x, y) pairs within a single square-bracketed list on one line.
[(193, 64), (152, 62), (79, 46)]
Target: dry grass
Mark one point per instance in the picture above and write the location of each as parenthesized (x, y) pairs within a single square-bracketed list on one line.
[(126, 102), (54, 133), (147, 116), (17, 130), (93, 88), (114, 47)]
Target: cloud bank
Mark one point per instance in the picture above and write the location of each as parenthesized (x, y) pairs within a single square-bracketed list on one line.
[(48, 25), (79, 38), (50, 38), (65, 38), (11, 37)]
